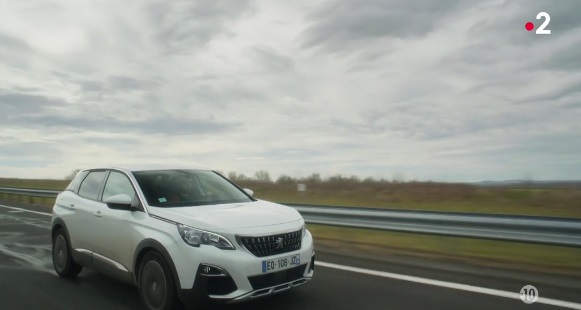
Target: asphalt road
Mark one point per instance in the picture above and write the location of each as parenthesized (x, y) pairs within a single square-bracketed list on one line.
[(27, 281)]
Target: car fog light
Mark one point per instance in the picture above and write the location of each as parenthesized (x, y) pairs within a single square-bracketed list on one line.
[(212, 271)]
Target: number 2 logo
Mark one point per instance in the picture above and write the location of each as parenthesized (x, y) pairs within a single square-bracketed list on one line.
[(542, 29)]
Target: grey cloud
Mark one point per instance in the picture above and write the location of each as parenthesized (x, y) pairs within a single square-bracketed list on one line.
[(159, 125), (421, 121), (92, 86), (14, 52), (558, 93), (129, 83), (45, 7), (573, 105), (25, 89), (368, 59), (118, 84), (524, 152), (479, 53), (183, 126), (344, 24), (566, 59), (14, 104), (357, 127), (111, 140), (278, 152), (222, 94), (9, 42), (191, 24), (271, 59), (21, 150), (122, 141), (469, 98)]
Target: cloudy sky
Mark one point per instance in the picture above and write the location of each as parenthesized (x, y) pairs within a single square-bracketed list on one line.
[(429, 90)]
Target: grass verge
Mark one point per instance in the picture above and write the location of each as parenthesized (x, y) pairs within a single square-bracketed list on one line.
[(492, 253)]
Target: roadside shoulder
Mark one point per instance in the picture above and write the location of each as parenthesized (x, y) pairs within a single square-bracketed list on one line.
[(564, 287)]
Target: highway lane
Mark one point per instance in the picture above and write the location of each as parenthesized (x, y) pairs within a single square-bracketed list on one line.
[(27, 281)]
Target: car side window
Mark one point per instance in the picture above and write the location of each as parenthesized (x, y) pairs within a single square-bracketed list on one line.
[(74, 185), (118, 183), (91, 185)]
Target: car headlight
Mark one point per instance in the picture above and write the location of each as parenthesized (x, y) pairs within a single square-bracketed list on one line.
[(304, 230), (196, 237)]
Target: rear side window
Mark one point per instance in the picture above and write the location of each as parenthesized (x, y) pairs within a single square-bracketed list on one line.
[(74, 185), (118, 183), (91, 185)]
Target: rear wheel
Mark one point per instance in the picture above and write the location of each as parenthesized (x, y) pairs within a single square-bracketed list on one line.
[(62, 259), (156, 284)]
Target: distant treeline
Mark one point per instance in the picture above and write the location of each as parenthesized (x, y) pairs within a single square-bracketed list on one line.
[(339, 180), (262, 181)]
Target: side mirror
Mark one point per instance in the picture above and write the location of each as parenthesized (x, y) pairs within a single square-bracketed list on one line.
[(249, 192), (120, 202)]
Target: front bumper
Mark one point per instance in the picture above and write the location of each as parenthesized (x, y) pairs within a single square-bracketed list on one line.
[(281, 285), (242, 279)]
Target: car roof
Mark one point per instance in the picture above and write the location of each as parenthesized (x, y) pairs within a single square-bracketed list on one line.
[(150, 167)]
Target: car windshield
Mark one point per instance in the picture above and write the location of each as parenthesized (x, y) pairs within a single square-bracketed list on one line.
[(181, 188)]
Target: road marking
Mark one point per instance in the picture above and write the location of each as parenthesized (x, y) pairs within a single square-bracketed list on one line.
[(452, 285), (25, 210)]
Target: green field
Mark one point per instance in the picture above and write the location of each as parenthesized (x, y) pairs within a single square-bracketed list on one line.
[(509, 255)]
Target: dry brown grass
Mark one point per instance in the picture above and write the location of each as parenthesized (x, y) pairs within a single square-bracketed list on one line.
[(565, 201), (562, 200)]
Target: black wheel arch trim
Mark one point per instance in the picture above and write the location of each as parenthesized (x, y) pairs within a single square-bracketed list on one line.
[(59, 222), (157, 246), (195, 295)]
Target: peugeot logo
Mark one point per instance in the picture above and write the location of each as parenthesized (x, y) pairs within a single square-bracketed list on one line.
[(279, 243)]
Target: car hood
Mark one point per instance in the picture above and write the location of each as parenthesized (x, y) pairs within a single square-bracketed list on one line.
[(230, 216)]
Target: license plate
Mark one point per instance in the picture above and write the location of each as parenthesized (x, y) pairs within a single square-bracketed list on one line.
[(281, 263)]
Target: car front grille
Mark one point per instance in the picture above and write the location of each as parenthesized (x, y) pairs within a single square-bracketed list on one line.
[(274, 244), (277, 278)]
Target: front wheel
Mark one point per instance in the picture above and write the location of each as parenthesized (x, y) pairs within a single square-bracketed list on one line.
[(156, 284), (62, 259)]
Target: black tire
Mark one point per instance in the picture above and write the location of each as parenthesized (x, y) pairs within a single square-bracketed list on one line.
[(62, 259), (157, 288)]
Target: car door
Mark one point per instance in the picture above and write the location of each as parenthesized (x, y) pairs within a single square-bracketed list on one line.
[(65, 206), (82, 226), (117, 233)]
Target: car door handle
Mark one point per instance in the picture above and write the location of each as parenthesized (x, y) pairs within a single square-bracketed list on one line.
[(72, 206), (98, 214)]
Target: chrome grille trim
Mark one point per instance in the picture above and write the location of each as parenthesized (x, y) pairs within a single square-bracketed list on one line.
[(262, 246)]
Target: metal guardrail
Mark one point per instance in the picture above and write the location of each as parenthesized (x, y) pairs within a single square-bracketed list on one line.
[(29, 192), (529, 229)]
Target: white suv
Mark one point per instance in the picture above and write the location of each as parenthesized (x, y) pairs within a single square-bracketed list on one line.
[(183, 236)]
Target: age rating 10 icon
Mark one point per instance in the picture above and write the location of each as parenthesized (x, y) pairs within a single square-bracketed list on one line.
[(529, 26), (529, 294)]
